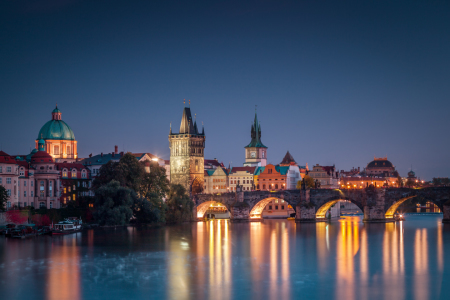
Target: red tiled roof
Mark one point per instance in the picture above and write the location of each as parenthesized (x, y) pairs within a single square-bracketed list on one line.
[(213, 162), (244, 169), (6, 158), (69, 166)]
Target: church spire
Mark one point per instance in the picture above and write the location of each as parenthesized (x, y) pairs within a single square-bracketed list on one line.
[(256, 134)]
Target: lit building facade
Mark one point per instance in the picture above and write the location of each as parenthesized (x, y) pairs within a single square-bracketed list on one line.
[(326, 176), (241, 176), (216, 181), (59, 139), (9, 178)]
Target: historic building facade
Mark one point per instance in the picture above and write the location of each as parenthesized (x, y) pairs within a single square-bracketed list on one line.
[(255, 152), (187, 154), (326, 176), (216, 181), (242, 176), (59, 139)]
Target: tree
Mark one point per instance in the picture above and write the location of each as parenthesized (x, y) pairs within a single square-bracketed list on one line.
[(114, 204), (129, 172), (3, 198), (399, 181), (436, 181), (445, 181), (309, 182), (411, 183), (299, 185), (179, 205)]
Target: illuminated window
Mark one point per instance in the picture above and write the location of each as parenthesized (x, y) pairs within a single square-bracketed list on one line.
[(74, 173), (56, 150)]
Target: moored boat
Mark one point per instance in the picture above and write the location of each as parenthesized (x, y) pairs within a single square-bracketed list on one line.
[(70, 225)]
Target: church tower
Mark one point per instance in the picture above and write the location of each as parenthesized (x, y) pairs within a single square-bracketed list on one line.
[(187, 154), (255, 152)]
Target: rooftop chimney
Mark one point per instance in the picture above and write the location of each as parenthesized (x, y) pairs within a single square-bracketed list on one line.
[(116, 149), (101, 154), (113, 154), (121, 153)]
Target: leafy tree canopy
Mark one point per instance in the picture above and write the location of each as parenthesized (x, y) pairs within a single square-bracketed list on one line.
[(179, 205), (114, 204), (309, 182)]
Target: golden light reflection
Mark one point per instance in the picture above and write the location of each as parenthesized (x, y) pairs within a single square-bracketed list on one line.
[(322, 246), (214, 252), (393, 260), (347, 248), (421, 264), (440, 248), (64, 272)]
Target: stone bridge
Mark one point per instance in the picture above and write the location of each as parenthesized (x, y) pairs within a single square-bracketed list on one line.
[(378, 205)]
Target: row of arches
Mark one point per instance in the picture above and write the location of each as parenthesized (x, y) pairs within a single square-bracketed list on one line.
[(257, 211)]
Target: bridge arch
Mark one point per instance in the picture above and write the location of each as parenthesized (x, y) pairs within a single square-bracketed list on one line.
[(203, 207), (258, 208), (393, 208), (322, 210)]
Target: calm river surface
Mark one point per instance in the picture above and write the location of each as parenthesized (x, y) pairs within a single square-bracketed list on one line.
[(276, 259)]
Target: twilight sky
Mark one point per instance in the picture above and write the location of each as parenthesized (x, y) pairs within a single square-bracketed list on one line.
[(336, 82)]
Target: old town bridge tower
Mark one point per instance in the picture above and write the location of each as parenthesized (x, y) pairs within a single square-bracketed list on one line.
[(187, 154)]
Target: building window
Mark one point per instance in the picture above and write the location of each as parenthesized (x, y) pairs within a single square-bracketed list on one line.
[(24, 193), (32, 183), (276, 207), (91, 205), (1, 179), (56, 150), (1, 169), (8, 204), (264, 186), (74, 187), (22, 172), (74, 173), (8, 192), (270, 207), (8, 169), (51, 204), (69, 150), (25, 183), (8, 180), (276, 186), (68, 189), (282, 207), (32, 193), (68, 198), (83, 174), (41, 204)]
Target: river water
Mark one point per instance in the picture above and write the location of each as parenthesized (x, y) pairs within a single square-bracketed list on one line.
[(275, 259)]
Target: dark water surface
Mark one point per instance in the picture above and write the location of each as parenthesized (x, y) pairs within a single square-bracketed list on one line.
[(276, 259)]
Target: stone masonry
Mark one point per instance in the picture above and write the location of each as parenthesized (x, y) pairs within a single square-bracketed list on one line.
[(378, 205)]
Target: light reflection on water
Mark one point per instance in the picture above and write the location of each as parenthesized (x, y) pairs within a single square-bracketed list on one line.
[(275, 259)]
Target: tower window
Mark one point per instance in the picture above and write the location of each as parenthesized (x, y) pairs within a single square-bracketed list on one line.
[(56, 150)]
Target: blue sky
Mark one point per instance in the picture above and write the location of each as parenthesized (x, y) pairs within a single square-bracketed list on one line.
[(335, 83)]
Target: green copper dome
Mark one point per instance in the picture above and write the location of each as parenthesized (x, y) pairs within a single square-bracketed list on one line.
[(56, 130)]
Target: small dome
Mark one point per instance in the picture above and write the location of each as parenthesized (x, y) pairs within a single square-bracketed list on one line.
[(41, 157), (56, 110), (411, 173)]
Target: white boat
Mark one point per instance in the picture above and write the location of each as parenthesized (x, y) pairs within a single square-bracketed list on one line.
[(67, 226)]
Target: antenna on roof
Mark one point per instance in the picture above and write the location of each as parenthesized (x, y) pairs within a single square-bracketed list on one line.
[(184, 102)]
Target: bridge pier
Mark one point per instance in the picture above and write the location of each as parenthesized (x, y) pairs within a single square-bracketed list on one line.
[(305, 213), (446, 212), (375, 214), (240, 212)]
